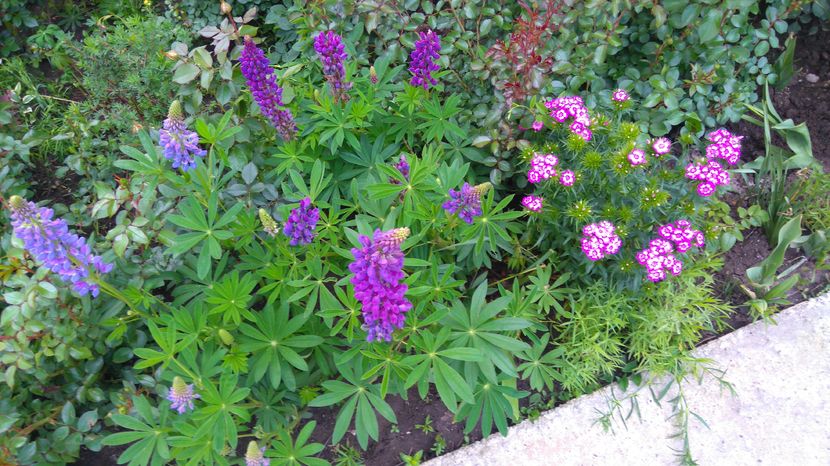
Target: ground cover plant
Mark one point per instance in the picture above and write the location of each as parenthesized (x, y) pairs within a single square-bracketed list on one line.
[(253, 234)]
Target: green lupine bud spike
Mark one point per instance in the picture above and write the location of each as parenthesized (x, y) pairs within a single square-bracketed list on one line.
[(225, 336), (16, 202), (175, 112), (269, 225), (179, 385), (482, 188)]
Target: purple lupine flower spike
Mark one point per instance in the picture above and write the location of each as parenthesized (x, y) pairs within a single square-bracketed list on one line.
[(58, 249), (262, 82), (329, 47), (181, 396), (378, 272), (180, 145), (466, 202), (422, 59), (255, 456), (301, 223)]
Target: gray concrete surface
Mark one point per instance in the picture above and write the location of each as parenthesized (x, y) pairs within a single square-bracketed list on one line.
[(780, 414)]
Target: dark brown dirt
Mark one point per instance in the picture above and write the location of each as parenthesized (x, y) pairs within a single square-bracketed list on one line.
[(407, 440), (803, 100)]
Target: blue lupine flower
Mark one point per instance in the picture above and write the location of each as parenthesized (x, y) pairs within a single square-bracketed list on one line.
[(180, 144), (58, 249), (422, 59), (378, 272), (301, 223), (467, 202), (262, 82)]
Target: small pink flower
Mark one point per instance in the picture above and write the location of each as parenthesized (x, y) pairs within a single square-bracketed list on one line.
[(537, 125), (620, 95), (637, 157), (599, 240), (532, 203), (567, 178), (661, 146), (706, 189)]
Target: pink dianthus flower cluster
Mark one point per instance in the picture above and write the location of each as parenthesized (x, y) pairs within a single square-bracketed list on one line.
[(725, 146), (599, 240), (659, 257), (563, 108)]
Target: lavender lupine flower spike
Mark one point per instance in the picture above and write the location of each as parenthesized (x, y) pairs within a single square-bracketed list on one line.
[(467, 202), (255, 456), (181, 396), (180, 144), (329, 47), (422, 59), (58, 249), (301, 223), (262, 82), (378, 272)]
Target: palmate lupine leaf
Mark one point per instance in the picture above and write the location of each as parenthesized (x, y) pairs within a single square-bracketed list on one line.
[(477, 326), (148, 437), (362, 401), (288, 452), (274, 344)]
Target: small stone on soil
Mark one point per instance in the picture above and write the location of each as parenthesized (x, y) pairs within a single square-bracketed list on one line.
[(811, 78)]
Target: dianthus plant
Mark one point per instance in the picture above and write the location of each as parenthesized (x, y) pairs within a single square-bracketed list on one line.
[(622, 186)]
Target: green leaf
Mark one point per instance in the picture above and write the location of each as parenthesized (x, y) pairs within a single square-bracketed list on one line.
[(185, 73)]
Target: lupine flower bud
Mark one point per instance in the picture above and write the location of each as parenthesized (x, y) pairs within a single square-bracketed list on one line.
[(255, 456), (330, 49), (422, 59), (269, 225), (181, 396), (378, 272), (180, 145), (226, 337), (373, 75), (467, 202), (50, 242), (262, 82), (301, 223)]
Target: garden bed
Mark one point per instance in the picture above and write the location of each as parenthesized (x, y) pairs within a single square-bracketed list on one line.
[(247, 277)]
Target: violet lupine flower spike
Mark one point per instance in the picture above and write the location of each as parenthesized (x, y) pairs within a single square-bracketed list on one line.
[(466, 202), (301, 223), (262, 82), (422, 59), (255, 456), (181, 396), (58, 249), (378, 273), (180, 144), (329, 47)]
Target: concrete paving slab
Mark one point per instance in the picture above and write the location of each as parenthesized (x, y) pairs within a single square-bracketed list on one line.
[(780, 414)]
